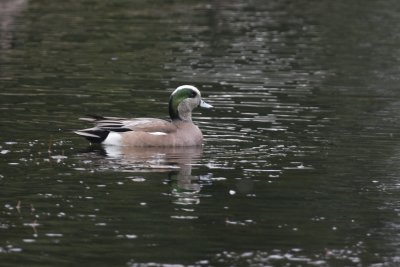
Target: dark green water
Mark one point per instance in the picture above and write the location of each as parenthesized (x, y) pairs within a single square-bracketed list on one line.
[(301, 159)]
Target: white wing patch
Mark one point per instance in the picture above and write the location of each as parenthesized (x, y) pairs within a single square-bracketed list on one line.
[(158, 133)]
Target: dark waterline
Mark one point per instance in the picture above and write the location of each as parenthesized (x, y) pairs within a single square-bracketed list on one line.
[(300, 162)]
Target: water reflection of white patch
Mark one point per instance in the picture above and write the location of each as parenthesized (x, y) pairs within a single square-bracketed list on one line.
[(113, 151), (9, 9), (154, 157)]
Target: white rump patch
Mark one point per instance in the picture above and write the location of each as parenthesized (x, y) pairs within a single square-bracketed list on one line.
[(158, 133), (114, 139)]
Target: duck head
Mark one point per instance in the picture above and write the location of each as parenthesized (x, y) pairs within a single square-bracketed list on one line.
[(183, 100)]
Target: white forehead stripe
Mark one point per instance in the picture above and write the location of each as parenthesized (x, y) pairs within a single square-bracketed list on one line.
[(187, 86)]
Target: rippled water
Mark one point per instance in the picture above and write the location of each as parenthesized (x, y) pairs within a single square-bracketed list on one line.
[(300, 162)]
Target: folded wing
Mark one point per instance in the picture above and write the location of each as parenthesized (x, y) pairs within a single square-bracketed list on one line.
[(105, 125)]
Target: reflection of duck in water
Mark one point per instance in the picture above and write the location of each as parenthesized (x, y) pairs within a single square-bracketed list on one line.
[(177, 161), (148, 132), (153, 158)]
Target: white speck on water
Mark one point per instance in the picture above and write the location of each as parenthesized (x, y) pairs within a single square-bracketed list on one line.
[(184, 217), (218, 178), (53, 235), (137, 179), (247, 254), (10, 143), (15, 250), (232, 192), (4, 151), (131, 236), (34, 224), (276, 257), (59, 157)]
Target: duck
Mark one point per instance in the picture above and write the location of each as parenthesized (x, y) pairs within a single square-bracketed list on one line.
[(180, 131)]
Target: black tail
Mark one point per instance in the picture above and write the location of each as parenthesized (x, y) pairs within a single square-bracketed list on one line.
[(103, 126)]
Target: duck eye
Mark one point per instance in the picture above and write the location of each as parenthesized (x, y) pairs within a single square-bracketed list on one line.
[(193, 94)]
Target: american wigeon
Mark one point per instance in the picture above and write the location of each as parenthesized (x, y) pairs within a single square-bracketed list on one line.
[(146, 132)]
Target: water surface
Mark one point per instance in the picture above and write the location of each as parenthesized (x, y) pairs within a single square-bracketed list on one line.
[(300, 162)]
